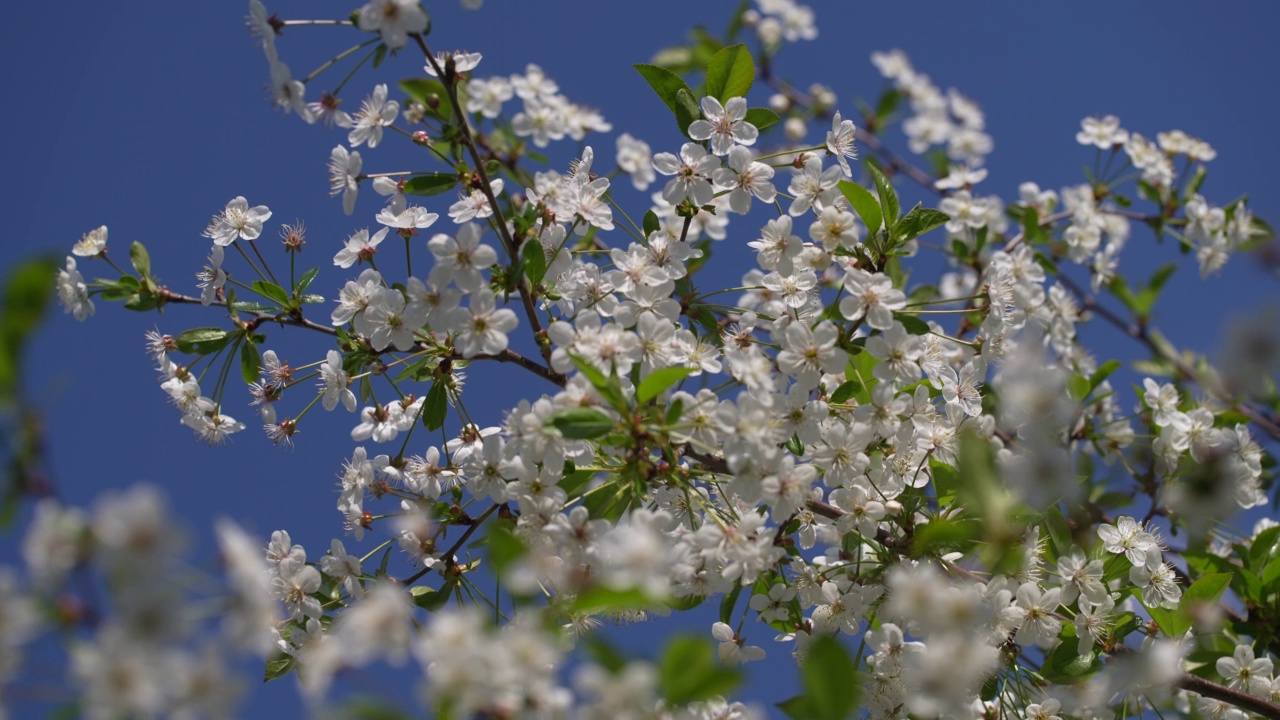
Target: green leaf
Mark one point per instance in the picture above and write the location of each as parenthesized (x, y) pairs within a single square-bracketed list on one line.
[(912, 323), (830, 681), (278, 665), (250, 361), (1146, 299), (534, 259), (1065, 666), (27, 293), (371, 709), (581, 423), (379, 54), (1265, 546), (796, 708), (1059, 530), (1271, 573), (504, 547), (863, 203), (659, 380), (140, 258), (918, 222), (601, 599), (436, 407), (430, 599), (847, 390), (687, 109), (651, 223), (668, 86), (604, 653), (728, 603), (762, 117), (887, 104), (254, 307), (420, 88), (430, 184), (1103, 372), (689, 672), (304, 282), (1203, 592), (202, 341), (888, 197), (730, 73), (1260, 233), (271, 291), (608, 387)]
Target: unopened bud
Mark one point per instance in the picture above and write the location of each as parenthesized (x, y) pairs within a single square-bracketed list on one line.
[(421, 137), (893, 507), (433, 101)]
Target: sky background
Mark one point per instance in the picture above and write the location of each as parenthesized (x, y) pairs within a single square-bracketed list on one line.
[(148, 116)]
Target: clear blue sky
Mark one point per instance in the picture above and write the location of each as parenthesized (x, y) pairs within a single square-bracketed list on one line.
[(148, 116)]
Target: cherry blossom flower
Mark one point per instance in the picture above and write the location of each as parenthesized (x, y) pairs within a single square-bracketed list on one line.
[(344, 175), (840, 139), (237, 221), (375, 113), (91, 243), (725, 125), (394, 20)]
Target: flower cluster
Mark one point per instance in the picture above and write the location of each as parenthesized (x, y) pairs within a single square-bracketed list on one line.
[(906, 465)]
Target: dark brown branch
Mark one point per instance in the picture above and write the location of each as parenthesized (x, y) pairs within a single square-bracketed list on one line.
[(448, 554), (1239, 699), (169, 296), (513, 249)]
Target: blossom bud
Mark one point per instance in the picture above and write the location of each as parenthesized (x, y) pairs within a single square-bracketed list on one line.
[(892, 507), (795, 128), (420, 137), (433, 101), (779, 103)]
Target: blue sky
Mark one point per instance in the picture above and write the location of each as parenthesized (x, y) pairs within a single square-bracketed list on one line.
[(148, 116)]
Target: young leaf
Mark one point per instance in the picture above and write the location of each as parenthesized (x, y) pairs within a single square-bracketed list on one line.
[(608, 387), (687, 109), (651, 224), (689, 672), (304, 282), (436, 407), (1202, 592), (421, 88), (730, 73), (888, 197), (581, 423), (430, 599), (1065, 666), (912, 323), (534, 259), (26, 295), (504, 548), (830, 682), (863, 203), (728, 603), (140, 258), (668, 86), (271, 291), (250, 360), (918, 222), (762, 117), (278, 665), (430, 184), (659, 380), (201, 341)]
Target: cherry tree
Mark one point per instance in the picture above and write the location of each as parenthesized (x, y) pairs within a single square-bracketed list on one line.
[(886, 449)]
